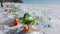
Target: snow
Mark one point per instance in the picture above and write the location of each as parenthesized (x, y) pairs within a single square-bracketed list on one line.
[(50, 14)]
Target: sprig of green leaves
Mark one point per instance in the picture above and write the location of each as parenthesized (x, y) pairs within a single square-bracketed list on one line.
[(25, 19)]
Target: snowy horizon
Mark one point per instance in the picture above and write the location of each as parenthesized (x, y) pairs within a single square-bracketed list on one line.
[(41, 1)]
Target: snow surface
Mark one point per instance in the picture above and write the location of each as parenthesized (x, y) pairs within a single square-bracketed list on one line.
[(50, 14)]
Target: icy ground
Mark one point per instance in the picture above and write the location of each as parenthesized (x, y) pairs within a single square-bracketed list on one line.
[(49, 12)]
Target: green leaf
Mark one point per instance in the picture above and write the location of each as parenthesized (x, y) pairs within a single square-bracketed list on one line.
[(26, 20)]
